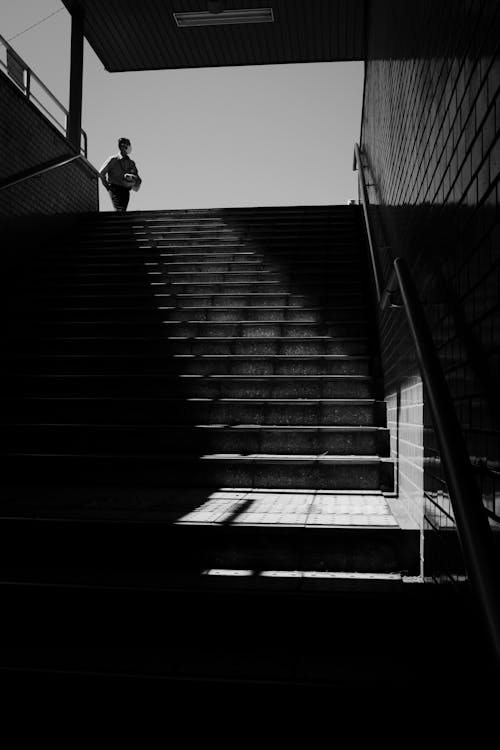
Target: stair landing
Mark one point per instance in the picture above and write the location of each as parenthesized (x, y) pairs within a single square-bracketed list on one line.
[(225, 506)]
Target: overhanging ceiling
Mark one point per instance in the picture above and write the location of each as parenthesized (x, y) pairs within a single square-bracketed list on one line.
[(143, 34)]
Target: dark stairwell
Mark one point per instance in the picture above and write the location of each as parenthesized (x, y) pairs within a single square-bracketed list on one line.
[(194, 443)]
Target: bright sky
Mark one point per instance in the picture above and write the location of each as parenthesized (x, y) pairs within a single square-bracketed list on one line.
[(213, 137)]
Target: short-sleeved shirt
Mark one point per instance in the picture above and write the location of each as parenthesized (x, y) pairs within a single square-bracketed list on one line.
[(116, 167)]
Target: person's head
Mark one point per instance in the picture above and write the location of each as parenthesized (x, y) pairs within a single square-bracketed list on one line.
[(124, 145)]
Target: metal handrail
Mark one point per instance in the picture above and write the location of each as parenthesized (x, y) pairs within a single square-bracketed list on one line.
[(474, 532), (42, 169), (26, 88), (375, 265)]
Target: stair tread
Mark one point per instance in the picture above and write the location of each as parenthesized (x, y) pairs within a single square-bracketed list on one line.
[(206, 357), (159, 225), (333, 339), (193, 308), (242, 322), (187, 295), (258, 400), (146, 269), (218, 427), (248, 339), (102, 261), (277, 458), (230, 578), (243, 284), (192, 376), (202, 323), (237, 257)]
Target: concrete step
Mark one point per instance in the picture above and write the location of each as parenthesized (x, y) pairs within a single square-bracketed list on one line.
[(73, 364), (271, 247), (156, 297), (135, 258), (202, 386), (195, 225), (243, 223), (256, 660), (267, 239), (192, 223), (158, 409), (203, 328), (147, 298), (338, 310), (306, 277), (345, 334), (261, 225), (320, 286), (159, 554), (198, 439), (318, 289), (189, 235), (155, 313), (117, 256), (233, 220), (329, 243), (204, 251), (156, 273), (159, 346), (212, 345), (191, 263), (210, 470)]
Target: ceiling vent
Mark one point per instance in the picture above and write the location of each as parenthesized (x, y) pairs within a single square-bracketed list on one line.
[(225, 17)]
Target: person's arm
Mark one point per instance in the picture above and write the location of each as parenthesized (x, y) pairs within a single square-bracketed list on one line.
[(138, 179), (104, 171), (134, 171)]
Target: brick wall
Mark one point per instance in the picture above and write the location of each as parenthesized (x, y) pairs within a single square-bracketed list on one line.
[(430, 140), (28, 139)]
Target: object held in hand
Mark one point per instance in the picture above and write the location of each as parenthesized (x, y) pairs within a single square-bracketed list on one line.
[(129, 176)]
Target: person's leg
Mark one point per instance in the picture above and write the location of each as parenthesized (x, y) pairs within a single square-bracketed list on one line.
[(120, 197), (126, 198)]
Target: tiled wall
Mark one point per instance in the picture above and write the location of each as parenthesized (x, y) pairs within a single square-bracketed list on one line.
[(430, 141), (28, 139)]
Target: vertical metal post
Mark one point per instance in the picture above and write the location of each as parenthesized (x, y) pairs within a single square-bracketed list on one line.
[(74, 125)]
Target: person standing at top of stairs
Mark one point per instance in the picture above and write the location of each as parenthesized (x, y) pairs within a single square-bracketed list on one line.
[(119, 175)]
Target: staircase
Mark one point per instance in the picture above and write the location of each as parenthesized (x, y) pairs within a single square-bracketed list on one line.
[(196, 436)]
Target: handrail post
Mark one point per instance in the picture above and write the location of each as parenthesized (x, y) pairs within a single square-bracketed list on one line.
[(84, 134), (74, 125), (473, 528)]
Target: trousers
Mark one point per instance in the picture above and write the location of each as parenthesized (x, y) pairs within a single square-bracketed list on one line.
[(120, 197)]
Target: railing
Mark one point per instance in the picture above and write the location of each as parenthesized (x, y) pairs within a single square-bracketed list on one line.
[(28, 82), (475, 534), (43, 169)]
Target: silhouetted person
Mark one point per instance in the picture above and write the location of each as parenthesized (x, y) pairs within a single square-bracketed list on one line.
[(119, 176)]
